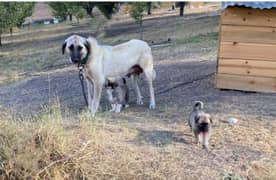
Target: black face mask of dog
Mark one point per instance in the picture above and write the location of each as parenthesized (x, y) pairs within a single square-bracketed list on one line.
[(76, 52), (203, 127)]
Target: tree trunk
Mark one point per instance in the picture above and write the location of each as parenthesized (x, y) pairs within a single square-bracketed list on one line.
[(0, 39), (149, 8), (70, 17), (181, 5), (11, 31), (89, 9), (173, 6)]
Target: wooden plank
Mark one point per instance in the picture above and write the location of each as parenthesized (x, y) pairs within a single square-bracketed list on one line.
[(249, 16), (235, 50), (219, 42), (247, 71), (247, 63), (249, 34), (245, 83)]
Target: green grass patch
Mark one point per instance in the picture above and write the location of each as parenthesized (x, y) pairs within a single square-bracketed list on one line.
[(213, 37)]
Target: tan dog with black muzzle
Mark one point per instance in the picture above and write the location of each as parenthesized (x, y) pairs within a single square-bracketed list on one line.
[(200, 123), (110, 62)]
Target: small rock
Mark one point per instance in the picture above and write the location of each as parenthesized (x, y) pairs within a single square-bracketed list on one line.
[(232, 120)]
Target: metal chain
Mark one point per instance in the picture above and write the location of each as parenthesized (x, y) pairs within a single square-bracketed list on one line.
[(81, 77)]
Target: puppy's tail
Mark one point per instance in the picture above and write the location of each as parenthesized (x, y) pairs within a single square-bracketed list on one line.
[(198, 105)]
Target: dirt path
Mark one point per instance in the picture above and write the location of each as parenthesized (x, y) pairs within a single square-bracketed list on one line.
[(29, 95)]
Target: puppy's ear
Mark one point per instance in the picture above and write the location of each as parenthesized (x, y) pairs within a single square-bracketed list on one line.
[(87, 46), (63, 47), (210, 118)]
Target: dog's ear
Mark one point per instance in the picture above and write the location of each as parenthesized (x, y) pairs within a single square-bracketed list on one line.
[(86, 44), (63, 47)]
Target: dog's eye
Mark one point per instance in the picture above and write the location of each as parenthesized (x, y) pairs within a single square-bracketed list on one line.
[(71, 47), (79, 48)]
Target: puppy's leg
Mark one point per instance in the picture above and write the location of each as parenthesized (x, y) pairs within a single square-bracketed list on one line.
[(109, 92), (197, 141), (205, 138), (98, 85), (137, 89), (149, 76)]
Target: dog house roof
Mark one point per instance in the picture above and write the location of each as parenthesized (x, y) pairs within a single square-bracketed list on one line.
[(255, 5)]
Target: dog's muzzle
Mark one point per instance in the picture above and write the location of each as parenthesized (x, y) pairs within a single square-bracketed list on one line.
[(203, 127), (75, 60)]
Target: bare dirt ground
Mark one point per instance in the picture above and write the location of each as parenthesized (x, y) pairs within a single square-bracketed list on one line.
[(185, 73)]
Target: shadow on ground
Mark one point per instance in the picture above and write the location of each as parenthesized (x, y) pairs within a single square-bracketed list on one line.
[(160, 137)]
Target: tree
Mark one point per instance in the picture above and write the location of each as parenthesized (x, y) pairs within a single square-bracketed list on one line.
[(64, 9), (181, 10), (136, 12), (107, 8), (149, 8), (88, 6), (80, 15), (13, 14)]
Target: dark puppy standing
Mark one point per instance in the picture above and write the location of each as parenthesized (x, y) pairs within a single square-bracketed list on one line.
[(200, 123)]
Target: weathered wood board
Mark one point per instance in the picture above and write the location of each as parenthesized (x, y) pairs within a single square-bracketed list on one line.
[(247, 50)]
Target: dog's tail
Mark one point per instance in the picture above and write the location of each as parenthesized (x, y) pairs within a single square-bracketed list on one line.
[(153, 74), (198, 105)]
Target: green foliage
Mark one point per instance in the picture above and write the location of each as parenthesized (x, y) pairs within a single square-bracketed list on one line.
[(77, 9), (136, 11), (64, 9), (80, 14), (13, 13), (107, 8)]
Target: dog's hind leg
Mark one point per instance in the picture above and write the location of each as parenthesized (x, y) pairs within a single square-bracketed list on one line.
[(137, 89)]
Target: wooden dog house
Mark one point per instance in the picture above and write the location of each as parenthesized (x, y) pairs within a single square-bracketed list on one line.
[(247, 47)]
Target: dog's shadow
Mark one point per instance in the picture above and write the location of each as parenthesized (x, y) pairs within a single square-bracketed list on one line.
[(160, 138)]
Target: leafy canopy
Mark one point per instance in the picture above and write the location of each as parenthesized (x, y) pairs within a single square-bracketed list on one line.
[(13, 14), (136, 11)]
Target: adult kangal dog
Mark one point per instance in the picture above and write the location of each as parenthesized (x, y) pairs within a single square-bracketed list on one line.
[(110, 62)]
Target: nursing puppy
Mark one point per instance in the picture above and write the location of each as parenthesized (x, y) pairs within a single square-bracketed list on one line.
[(110, 62), (117, 94), (200, 123), (117, 90)]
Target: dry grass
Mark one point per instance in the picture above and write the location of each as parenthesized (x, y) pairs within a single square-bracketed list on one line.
[(49, 146)]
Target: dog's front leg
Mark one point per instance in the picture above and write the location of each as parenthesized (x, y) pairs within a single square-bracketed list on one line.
[(137, 89), (89, 94), (97, 96)]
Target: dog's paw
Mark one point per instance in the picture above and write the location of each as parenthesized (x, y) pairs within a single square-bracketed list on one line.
[(140, 101), (152, 106), (118, 108), (205, 147)]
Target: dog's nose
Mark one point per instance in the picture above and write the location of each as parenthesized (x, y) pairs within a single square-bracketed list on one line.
[(75, 59)]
